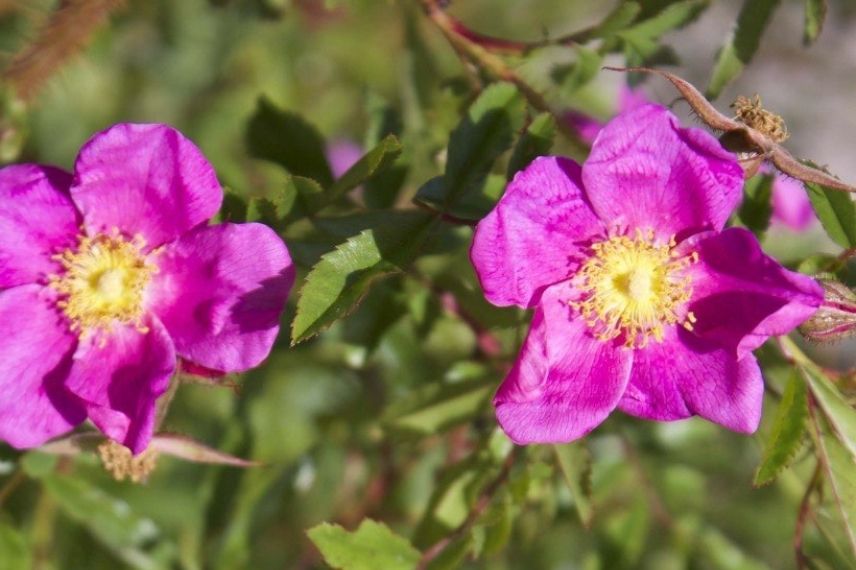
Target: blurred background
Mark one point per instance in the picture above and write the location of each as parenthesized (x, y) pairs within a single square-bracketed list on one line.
[(334, 419)]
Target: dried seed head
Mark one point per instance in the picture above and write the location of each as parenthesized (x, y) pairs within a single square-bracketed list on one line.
[(122, 464), (751, 113)]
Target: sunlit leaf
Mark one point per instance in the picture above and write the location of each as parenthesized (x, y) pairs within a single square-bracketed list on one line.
[(644, 37), (815, 14), (14, 551), (786, 435), (342, 278), (575, 464), (371, 547), (742, 44), (438, 406), (837, 213), (841, 416), (840, 468)]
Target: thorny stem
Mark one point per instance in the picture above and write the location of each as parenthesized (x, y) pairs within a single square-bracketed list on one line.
[(478, 510), (803, 515), (463, 43)]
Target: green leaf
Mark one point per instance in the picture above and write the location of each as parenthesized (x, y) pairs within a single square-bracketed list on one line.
[(473, 206), (288, 140), (575, 464), (110, 520), (672, 17), (757, 207), (815, 14), (297, 194), (786, 435), (14, 553), (582, 71), (840, 468), (376, 160), (835, 408), (644, 37), (536, 141), (436, 407), (371, 547), (721, 553), (742, 45), (836, 212), (620, 18), (485, 132), (338, 282)]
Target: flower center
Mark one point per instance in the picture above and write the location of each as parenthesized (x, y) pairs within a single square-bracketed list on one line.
[(102, 282), (632, 287)]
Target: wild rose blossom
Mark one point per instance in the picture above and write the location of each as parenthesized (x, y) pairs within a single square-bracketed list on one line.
[(643, 302), (110, 275), (791, 206)]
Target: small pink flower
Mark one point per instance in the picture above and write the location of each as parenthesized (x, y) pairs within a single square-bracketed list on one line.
[(791, 205), (643, 302), (111, 275), (342, 154)]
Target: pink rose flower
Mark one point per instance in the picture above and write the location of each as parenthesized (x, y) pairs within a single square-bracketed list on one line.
[(110, 275), (643, 302)]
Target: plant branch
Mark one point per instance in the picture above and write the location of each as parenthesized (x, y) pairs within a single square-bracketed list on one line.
[(462, 41)]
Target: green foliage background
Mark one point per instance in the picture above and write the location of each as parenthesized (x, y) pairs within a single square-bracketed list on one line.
[(385, 414)]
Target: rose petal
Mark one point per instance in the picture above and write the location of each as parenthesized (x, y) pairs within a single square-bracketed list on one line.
[(564, 382), (144, 179), (646, 172), (741, 296), (220, 292), (37, 221), (685, 375), (35, 354), (119, 376), (530, 239)]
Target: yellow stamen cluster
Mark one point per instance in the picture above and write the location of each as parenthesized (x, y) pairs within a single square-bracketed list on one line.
[(102, 282), (633, 288), (122, 464)]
